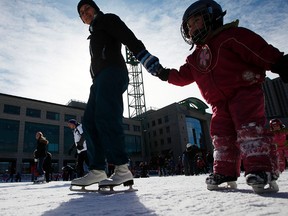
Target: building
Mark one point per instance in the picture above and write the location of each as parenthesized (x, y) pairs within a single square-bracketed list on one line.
[(165, 131), (276, 95), (21, 118), (168, 130)]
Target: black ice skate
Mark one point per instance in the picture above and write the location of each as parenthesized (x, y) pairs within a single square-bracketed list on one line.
[(262, 182), (215, 181), (121, 175)]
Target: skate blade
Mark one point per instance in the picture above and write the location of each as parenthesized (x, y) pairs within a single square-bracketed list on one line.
[(269, 188), (39, 182), (78, 188), (223, 186), (110, 190)]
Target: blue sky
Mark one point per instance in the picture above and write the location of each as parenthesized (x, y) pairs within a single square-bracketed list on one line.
[(44, 52)]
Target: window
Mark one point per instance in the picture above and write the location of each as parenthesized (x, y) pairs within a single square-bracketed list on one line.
[(53, 115), (160, 131), (133, 144), (126, 127), (159, 121), (168, 129), (10, 109), (67, 117), (33, 112), (194, 131), (166, 119), (155, 143), (148, 125), (136, 127), (153, 123), (9, 133)]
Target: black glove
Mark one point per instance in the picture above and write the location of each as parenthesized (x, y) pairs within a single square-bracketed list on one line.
[(281, 68), (164, 74), (150, 62), (79, 146)]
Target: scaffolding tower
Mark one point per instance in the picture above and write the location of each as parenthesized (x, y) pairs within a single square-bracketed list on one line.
[(135, 91)]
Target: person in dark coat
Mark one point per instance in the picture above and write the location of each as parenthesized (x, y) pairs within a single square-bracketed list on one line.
[(189, 159), (102, 120), (40, 154)]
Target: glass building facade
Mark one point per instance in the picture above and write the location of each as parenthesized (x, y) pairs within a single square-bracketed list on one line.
[(22, 118), (194, 131)]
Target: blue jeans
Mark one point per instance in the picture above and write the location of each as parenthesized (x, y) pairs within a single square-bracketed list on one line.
[(102, 120)]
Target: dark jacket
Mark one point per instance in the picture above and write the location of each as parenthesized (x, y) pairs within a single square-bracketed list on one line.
[(41, 150), (108, 32)]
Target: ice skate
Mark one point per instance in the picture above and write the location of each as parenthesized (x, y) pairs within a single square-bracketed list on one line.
[(121, 175), (216, 182), (93, 177), (40, 179), (262, 182)]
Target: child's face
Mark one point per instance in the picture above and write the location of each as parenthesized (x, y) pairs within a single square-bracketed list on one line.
[(194, 23), (276, 127)]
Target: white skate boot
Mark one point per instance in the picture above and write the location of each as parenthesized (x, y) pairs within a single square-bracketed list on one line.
[(216, 181), (121, 175), (93, 177), (262, 182), (40, 179)]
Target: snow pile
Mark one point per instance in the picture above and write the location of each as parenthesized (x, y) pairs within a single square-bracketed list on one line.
[(172, 195)]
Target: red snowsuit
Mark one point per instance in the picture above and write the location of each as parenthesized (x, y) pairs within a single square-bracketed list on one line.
[(229, 71), (280, 138)]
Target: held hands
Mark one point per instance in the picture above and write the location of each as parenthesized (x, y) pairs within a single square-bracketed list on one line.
[(150, 62), (281, 68)]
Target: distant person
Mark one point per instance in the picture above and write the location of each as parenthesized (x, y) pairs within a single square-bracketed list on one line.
[(229, 65), (102, 120), (80, 145), (18, 177), (11, 174), (40, 154), (189, 159), (281, 140), (209, 160), (47, 167)]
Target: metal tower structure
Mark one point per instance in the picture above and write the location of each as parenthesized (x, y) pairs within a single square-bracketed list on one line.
[(135, 91)]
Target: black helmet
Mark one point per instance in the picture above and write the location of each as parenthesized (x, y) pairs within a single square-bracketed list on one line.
[(212, 15)]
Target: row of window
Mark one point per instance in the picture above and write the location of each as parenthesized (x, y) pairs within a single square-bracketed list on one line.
[(159, 121), (36, 113), (9, 136)]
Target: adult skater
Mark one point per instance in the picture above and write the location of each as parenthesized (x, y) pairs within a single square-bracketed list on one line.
[(228, 65), (40, 154), (102, 121)]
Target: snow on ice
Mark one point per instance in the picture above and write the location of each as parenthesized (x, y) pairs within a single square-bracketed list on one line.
[(171, 195)]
